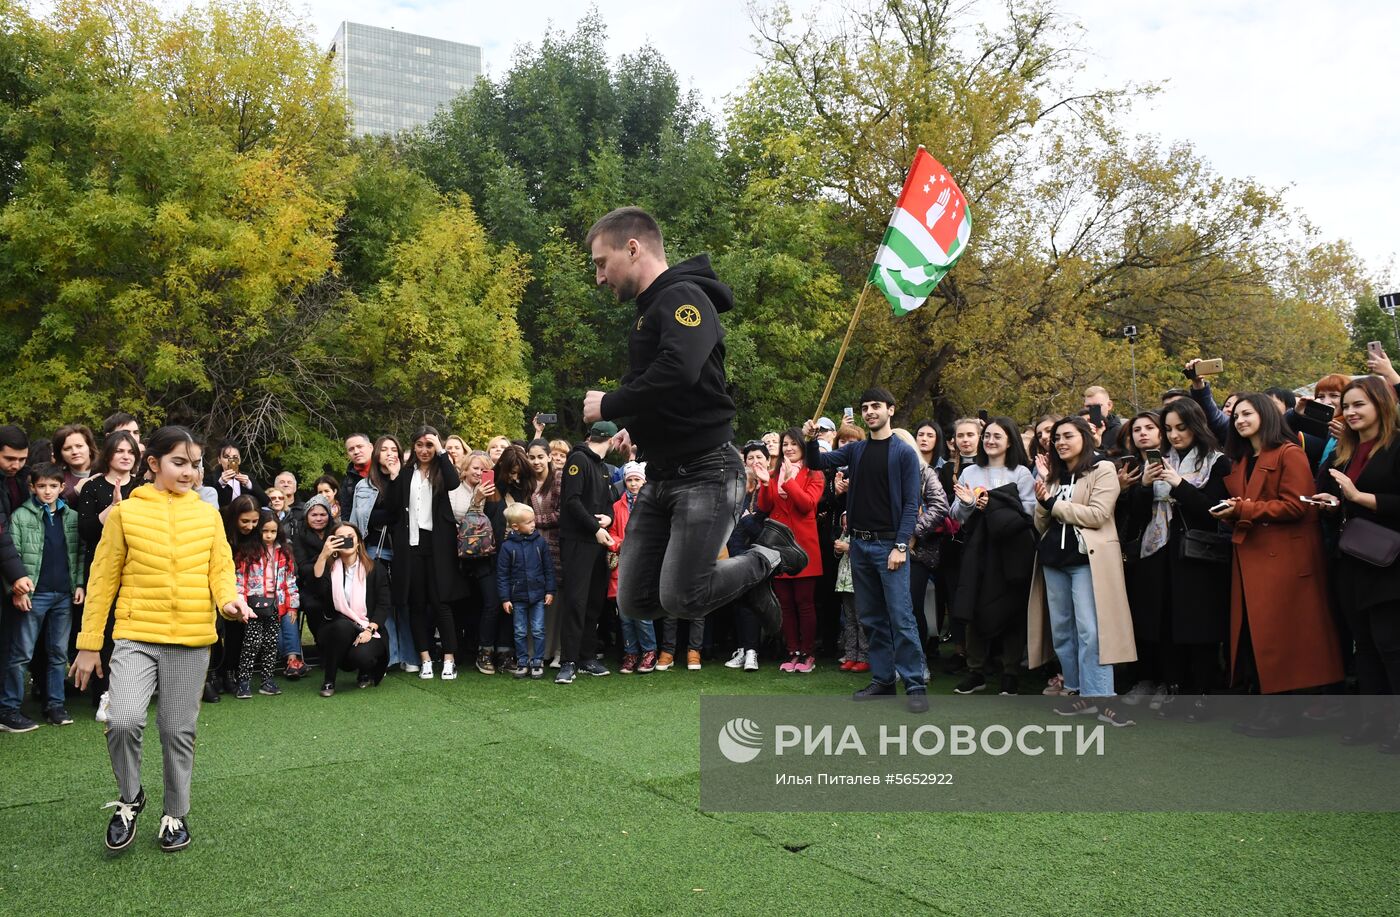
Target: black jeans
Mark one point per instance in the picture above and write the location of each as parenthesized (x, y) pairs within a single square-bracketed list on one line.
[(585, 578), (493, 628), (426, 610), (682, 519), (695, 634), (1377, 634), (339, 650), (919, 579)]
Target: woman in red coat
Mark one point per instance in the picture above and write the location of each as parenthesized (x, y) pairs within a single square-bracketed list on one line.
[(1281, 633), (791, 497)]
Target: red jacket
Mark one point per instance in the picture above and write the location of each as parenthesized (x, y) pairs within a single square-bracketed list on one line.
[(798, 512), (620, 513)]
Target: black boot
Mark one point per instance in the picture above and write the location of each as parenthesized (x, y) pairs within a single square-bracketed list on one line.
[(779, 537), (211, 693), (761, 600)]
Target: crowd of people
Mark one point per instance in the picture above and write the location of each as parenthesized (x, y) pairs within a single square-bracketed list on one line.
[(1138, 565)]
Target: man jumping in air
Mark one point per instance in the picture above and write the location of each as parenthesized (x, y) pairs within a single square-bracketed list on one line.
[(674, 403)]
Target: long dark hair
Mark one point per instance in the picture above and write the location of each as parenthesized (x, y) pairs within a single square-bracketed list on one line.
[(1272, 432), (1035, 451), (243, 503), (1129, 447), (794, 434), (250, 550), (434, 479), (1086, 459), (514, 475), (376, 474), (1203, 441), (938, 443), (548, 483), (109, 449), (1015, 451)]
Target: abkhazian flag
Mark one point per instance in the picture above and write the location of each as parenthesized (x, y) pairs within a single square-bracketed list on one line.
[(926, 236)]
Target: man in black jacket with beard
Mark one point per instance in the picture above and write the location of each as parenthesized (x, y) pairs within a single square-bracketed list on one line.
[(674, 401)]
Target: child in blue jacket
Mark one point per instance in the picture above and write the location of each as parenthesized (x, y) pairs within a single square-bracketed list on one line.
[(525, 583)]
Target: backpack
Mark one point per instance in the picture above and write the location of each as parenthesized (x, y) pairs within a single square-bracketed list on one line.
[(475, 537)]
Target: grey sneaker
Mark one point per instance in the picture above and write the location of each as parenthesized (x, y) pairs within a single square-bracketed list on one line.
[(1140, 692)]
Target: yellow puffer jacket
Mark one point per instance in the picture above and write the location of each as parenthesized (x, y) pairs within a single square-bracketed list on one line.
[(164, 558)]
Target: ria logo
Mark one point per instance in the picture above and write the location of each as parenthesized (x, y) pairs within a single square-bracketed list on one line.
[(740, 740)]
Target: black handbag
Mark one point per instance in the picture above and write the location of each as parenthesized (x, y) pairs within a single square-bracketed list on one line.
[(1206, 547), (263, 606), (928, 550), (1370, 541)]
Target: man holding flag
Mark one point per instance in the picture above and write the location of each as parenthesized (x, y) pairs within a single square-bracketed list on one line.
[(675, 403), (886, 490)]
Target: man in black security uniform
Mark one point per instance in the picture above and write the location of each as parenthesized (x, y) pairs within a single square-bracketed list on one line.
[(675, 404), (585, 500)]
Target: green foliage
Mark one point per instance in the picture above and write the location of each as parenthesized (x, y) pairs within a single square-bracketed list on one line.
[(188, 232), (185, 230), (443, 321)]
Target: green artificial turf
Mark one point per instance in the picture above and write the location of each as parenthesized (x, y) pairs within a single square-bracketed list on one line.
[(491, 795)]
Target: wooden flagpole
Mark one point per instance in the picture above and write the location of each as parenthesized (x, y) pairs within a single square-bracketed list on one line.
[(841, 354)]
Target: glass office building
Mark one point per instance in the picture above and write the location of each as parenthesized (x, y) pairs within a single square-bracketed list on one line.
[(396, 81)]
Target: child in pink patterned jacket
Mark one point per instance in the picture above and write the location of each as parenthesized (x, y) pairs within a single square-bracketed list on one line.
[(266, 574)]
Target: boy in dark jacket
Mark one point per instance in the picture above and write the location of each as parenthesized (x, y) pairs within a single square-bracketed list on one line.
[(525, 583), (45, 532)]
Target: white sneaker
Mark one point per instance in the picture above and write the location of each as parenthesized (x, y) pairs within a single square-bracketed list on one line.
[(410, 668), (426, 672), (104, 704), (554, 663), (751, 661), (449, 670), (737, 660)]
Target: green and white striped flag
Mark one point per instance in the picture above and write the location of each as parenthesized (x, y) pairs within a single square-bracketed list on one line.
[(927, 234)]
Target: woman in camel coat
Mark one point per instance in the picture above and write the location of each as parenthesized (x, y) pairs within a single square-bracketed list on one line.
[(1075, 501)]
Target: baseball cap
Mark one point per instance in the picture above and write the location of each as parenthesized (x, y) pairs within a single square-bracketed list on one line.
[(825, 423), (603, 429)]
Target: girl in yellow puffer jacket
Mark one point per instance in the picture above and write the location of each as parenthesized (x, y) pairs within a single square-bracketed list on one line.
[(164, 559)]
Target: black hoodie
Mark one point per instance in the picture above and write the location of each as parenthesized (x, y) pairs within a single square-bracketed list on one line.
[(674, 399)]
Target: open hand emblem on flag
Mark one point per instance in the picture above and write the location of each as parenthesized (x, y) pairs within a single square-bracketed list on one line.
[(935, 213), (926, 235)]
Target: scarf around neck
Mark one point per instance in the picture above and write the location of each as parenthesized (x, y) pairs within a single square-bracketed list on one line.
[(348, 591)]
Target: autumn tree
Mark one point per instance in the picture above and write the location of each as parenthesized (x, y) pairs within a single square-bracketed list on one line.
[(1080, 229)]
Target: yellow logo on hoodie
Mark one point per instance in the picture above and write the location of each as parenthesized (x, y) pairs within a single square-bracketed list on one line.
[(688, 315)]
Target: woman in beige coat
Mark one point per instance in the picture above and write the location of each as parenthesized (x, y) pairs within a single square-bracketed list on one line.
[(1078, 585)]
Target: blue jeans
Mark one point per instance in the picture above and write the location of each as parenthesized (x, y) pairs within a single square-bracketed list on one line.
[(400, 634), (887, 614), (681, 521), (289, 636), (637, 636), (529, 624), (25, 628), (1074, 628)]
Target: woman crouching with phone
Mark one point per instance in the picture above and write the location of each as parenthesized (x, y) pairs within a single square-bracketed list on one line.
[(165, 561), (353, 638)]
